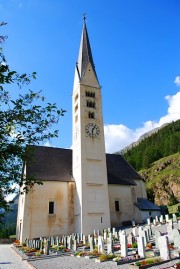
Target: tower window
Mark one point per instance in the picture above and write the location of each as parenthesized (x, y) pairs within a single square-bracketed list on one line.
[(76, 108), (90, 104), (117, 206), (91, 115), (51, 207), (90, 94), (76, 97)]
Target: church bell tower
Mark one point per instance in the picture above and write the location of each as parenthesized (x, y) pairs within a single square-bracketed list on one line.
[(89, 158)]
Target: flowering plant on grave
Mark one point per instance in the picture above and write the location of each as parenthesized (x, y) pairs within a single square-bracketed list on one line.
[(38, 253), (177, 265), (171, 246), (147, 261), (117, 247), (134, 245), (16, 242), (117, 259), (149, 246), (129, 245)]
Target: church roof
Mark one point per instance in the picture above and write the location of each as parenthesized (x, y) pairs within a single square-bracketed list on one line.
[(144, 204), (55, 164), (120, 171), (85, 54)]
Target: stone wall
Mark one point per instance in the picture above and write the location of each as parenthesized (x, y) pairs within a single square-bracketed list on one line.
[(6, 240)]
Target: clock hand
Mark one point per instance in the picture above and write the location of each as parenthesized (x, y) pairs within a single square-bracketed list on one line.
[(93, 129)]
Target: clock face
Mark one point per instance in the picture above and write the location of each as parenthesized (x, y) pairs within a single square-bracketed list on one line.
[(92, 130)]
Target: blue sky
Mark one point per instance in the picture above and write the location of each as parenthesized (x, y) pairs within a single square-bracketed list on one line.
[(135, 46)]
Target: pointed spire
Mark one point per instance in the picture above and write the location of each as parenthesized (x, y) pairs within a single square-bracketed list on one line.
[(85, 54)]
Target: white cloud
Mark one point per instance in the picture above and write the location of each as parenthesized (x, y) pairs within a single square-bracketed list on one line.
[(119, 136), (177, 81), (47, 144)]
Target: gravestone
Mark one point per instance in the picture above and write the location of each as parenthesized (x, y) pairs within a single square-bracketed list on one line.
[(174, 218), (170, 222), (157, 219), (124, 249), (130, 238), (113, 231), (100, 244), (133, 223), (41, 244), (164, 248), (169, 232), (75, 244), (176, 238), (57, 241), (154, 222), (105, 235), (110, 246), (116, 235), (91, 243), (167, 218), (81, 237), (84, 240), (52, 240), (96, 240), (147, 234), (157, 235), (161, 219), (135, 231), (143, 233), (150, 230), (78, 238), (70, 242), (148, 222), (141, 247), (47, 247)]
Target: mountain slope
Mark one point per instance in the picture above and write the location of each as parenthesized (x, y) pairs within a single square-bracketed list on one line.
[(164, 142), (163, 180)]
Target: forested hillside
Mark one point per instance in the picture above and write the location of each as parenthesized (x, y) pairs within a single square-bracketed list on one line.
[(163, 143), (163, 180)]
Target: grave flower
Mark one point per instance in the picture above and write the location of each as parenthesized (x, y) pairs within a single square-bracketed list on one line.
[(134, 245), (147, 261), (177, 265), (171, 247), (149, 246), (117, 247)]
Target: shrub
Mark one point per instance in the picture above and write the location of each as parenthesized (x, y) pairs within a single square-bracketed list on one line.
[(134, 245), (103, 257)]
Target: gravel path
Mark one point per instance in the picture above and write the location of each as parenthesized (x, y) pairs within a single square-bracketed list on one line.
[(9, 259), (82, 263)]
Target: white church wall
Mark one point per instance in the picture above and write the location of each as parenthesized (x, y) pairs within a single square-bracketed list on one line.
[(23, 218), (37, 220), (140, 189), (121, 194), (145, 214)]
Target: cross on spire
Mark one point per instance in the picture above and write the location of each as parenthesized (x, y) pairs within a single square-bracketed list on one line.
[(84, 17)]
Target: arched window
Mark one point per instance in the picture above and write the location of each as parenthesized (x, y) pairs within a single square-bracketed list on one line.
[(90, 94), (91, 115)]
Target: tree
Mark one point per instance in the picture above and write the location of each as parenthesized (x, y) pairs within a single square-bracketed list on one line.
[(24, 121)]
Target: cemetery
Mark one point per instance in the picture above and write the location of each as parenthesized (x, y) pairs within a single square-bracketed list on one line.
[(138, 246)]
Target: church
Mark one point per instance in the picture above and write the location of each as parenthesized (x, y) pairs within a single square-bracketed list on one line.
[(84, 189)]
